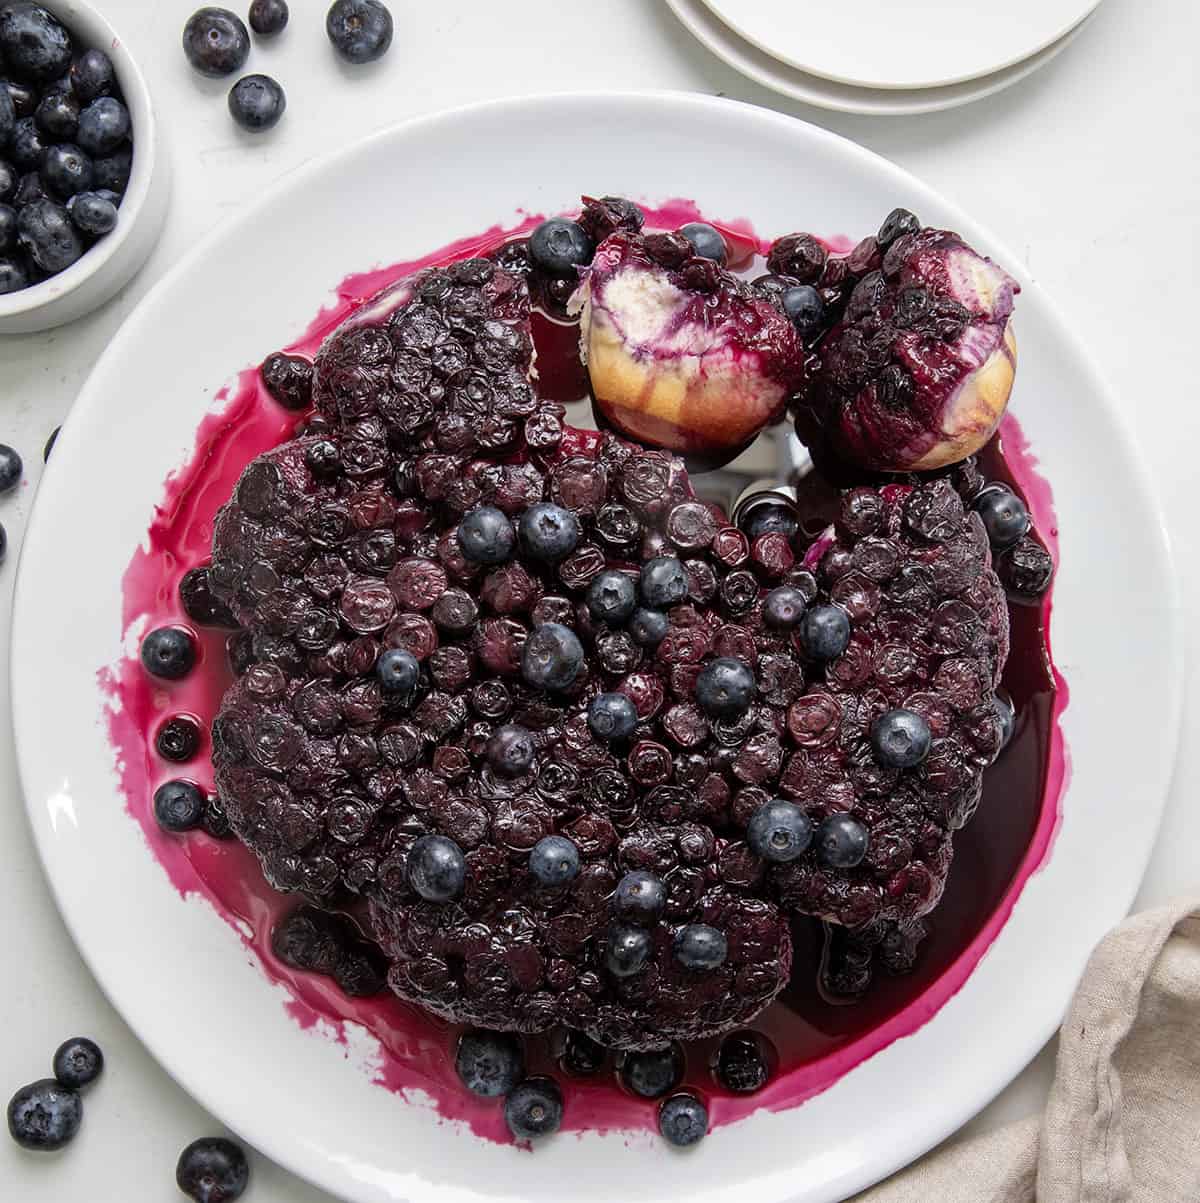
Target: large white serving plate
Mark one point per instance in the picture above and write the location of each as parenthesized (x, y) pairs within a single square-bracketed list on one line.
[(181, 977)]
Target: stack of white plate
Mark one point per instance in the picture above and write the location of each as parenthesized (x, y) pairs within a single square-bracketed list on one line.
[(885, 56)]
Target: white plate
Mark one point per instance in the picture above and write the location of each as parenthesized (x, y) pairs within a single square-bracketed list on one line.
[(756, 64), (180, 976), (914, 44)]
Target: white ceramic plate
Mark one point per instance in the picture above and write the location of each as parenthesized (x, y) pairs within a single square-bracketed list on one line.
[(756, 64), (915, 44), (181, 977)]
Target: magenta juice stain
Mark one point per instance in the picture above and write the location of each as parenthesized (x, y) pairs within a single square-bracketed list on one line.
[(815, 1041)]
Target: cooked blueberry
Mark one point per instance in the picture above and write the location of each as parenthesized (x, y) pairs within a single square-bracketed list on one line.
[(612, 597), (783, 607), (10, 468), (548, 532), (554, 860), (323, 459), (804, 306), (178, 806), (824, 632), (33, 44), (268, 17), (178, 739), (663, 583), (257, 102), (66, 170), (552, 657), (47, 236), (648, 627), (1007, 716), (57, 116), (8, 177), (489, 1064), (700, 947), (725, 687), (582, 1056), (112, 171), (212, 1170), (683, 1120), (486, 536), (93, 76), (612, 717), (897, 223), (741, 1066), (103, 126), (652, 1074), (779, 831), (533, 1109), (216, 42), (706, 240), (44, 1116), (901, 739), (27, 146), (195, 592), (78, 1062), (436, 868), (215, 821), (92, 213), (360, 30), (640, 897), (511, 750), (627, 951), (1004, 515), (558, 246), (169, 652), (842, 842)]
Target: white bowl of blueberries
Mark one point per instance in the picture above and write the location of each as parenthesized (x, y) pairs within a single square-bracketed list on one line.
[(83, 184)]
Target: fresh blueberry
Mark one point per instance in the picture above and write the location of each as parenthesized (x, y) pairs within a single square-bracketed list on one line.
[(92, 213), (683, 1120), (548, 532), (511, 750), (257, 102), (552, 657), (8, 228), (779, 831), (93, 76), (112, 171), (897, 223), (1007, 715), (269, 17), (725, 687), (169, 652), (103, 126), (612, 717), (824, 632), (533, 1109), (78, 1062), (8, 116), (741, 1066), (706, 241), (804, 306), (554, 860), (57, 116), (8, 178), (700, 947), (27, 146), (216, 42), (212, 1170), (47, 236), (24, 97), (648, 627), (900, 738), (612, 597), (842, 842), (33, 44), (44, 1116), (663, 583), (178, 806), (581, 1056), (50, 444), (640, 898), (29, 189), (10, 468), (178, 739), (360, 30), (783, 607), (398, 671), (436, 868), (651, 1075), (558, 246), (66, 170), (486, 536), (627, 951), (1004, 515), (768, 517), (489, 1064)]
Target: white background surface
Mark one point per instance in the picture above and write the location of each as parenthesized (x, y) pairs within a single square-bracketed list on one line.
[(1089, 169)]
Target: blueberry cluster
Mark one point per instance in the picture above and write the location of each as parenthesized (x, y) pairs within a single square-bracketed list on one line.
[(46, 1115)]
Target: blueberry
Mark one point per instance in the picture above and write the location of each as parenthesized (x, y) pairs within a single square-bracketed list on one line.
[(24, 97), (1004, 515), (489, 1064), (554, 861), (842, 842), (741, 1067), (768, 518), (548, 532), (725, 687), (27, 145), (897, 223), (8, 228), (783, 607), (8, 116), (78, 1062), (552, 657), (627, 951), (558, 246), (901, 739), (8, 178), (178, 739), (1007, 715), (33, 45), (582, 1056), (268, 17), (44, 1116), (640, 897), (825, 632), (533, 1109), (216, 42), (178, 806), (779, 831), (648, 627), (360, 30), (57, 116), (92, 213), (511, 750), (29, 190), (323, 459), (706, 240), (398, 671), (212, 1170), (700, 947), (103, 126), (804, 306), (47, 236), (663, 583), (10, 468), (436, 868), (50, 444), (169, 652), (486, 536), (612, 717), (612, 597), (652, 1074), (112, 171), (215, 821), (257, 102), (92, 76), (66, 170), (683, 1120)]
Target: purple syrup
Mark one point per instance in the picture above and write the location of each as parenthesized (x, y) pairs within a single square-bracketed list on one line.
[(816, 1042)]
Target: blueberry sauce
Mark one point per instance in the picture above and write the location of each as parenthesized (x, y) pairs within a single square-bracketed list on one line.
[(810, 1041)]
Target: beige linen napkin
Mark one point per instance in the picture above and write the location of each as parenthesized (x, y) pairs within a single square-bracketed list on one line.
[(1123, 1121)]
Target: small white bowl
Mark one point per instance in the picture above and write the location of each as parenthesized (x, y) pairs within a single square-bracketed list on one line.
[(109, 265)]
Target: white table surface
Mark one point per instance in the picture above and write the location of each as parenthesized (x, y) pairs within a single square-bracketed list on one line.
[(1090, 170)]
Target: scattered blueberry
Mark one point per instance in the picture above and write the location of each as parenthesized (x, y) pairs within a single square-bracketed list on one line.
[(10, 468), (548, 532), (489, 1064), (804, 306), (683, 1120), (581, 1056), (178, 739), (554, 860), (652, 1074), (1004, 515), (510, 750), (44, 1116), (103, 126), (648, 627), (34, 46), (533, 1109), (112, 171), (783, 607), (178, 806), (50, 444), (842, 842), (552, 657), (212, 1170), (436, 868), (901, 739), (216, 42), (47, 236), (268, 17), (741, 1067), (612, 717), (700, 947), (93, 76), (360, 30), (612, 597), (169, 652), (628, 951), (57, 116), (725, 687), (706, 240), (1007, 715), (66, 170), (825, 632), (779, 831), (78, 1062), (257, 102), (558, 246), (8, 228), (663, 583), (486, 536), (640, 897), (897, 223), (398, 671), (92, 213), (27, 146)]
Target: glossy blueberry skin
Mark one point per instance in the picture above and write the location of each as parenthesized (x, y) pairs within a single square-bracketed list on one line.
[(269, 17), (511, 750), (398, 671), (486, 536), (581, 1056), (627, 952), (558, 247), (27, 146), (1004, 516), (1007, 715), (663, 582), (612, 717), (725, 687), (552, 657), (825, 632), (699, 947), (779, 831), (178, 739), (360, 30), (437, 869), (169, 653), (783, 607), (44, 1116), (897, 223), (46, 235), (901, 739), (8, 177), (29, 189), (741, 1067), (804, 306), (67, 170), (706, 241), (648, 627), (256, 103), (768, 518), (78, 1062), (93, 214), (640, 898), (548, 532), (489, 1064), (57, 116), (34, 46), (8, 238), (216, 42), (650, 1075), (534, 1109), (842, 842), (554, 861), (103, 126), (178, 806), (93, 76), (11, 468), (612, 597), (683, 1120), (212, 1170)]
